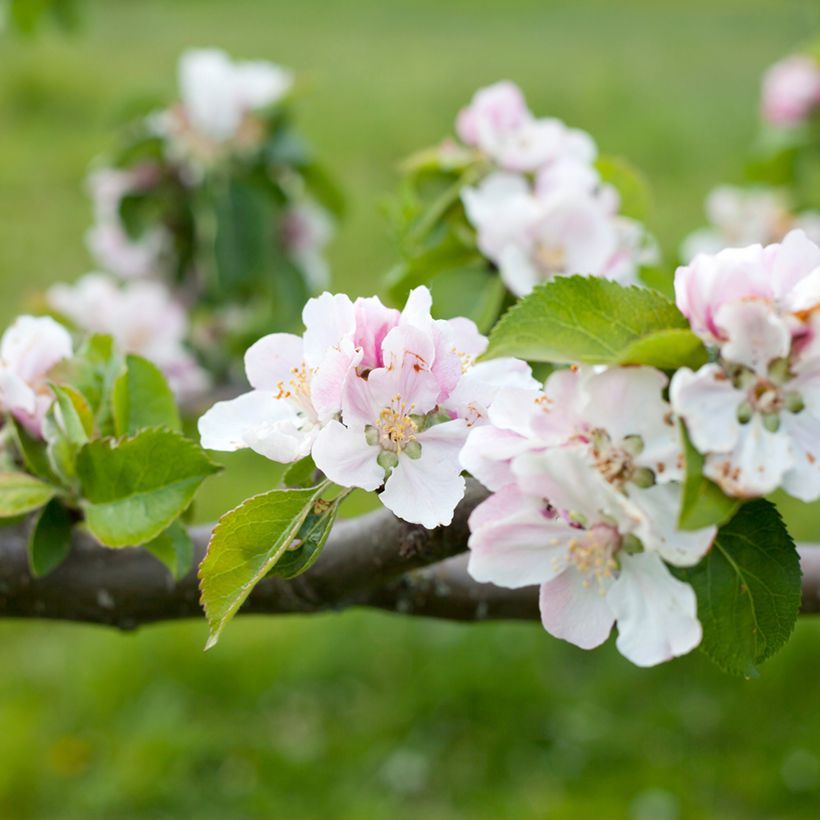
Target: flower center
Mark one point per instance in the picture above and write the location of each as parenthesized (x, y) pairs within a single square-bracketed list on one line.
[(616, 462), (297, 389), (551, 259), (395, 427), (592, 553)]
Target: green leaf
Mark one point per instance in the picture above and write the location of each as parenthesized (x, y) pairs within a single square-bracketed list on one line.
[(134, 488), (245, 545), (577, 319), (50, 539), (631, 185), (66, 428), (21, 493), (301, 473), (748, 589), (33, 452), (142, 398), (175, 549), (301, 555), (76, 417), (667, 350), (703, 503)]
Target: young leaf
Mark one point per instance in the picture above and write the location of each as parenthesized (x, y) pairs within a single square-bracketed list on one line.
[(667, 350), (66, 428), (33, 452), (50, 539), (703, 503), (310, 540), (175, 549), (748, 589), (301, 473), (245, 545), (142, 398), (134, 488), (584, 319), (21, 493)]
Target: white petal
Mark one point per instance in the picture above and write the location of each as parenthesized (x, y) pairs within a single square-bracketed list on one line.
[(517, 270), (708, 402), (756, 334), (329, 319), (575, 610), (15, 394), (661, 506), (802, 480), (756, 465), (426, 490), (225, 426), (656, 613), (488, 453), (272, 359), (346, 458), (32, 345), (330, 377)]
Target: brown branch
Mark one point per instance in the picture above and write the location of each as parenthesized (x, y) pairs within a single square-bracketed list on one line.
[(374, 561)]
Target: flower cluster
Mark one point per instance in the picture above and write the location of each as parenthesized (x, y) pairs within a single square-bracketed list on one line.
[(755, 411), (544, 210), (791, 90), (29, 349), (746, 216), (585, 501), (142, 317), (382, 399)]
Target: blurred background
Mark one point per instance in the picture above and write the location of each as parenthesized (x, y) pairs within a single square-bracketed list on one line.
[(362, 715)]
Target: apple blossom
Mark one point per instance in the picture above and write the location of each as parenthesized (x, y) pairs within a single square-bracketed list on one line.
[(791, 90), (143, 318), (574, 534), (218, 93), (307, 229), (29, 349), (744, 216), (108, 240)]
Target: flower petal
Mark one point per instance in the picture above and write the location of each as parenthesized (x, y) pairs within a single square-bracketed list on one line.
[(329, 319), (656, 613), (346, 458), (272, 359), (755, 334)]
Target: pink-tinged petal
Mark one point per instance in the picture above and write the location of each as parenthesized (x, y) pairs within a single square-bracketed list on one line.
[(802, 479), (226, 425), (792, 261), (518, 272), (359, 408), (373, 322), (576, 611), (805, 295), (272, 359), (417, 308), (488, 453), (661, 506), (346, 458), (757, 464), (656, 613), (513, 543), (31, 346), (426, 490), (519, 410), (328, 381), (708, 403), (415, 386), (494, 110), (564, 477), (15, 394), (791, 90), (329, 319), (755, 334)]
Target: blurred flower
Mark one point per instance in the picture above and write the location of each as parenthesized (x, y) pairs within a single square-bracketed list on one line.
[(791, 90), (142, 317), (108, 240), (29, 349), (307, 230), (745, 216)]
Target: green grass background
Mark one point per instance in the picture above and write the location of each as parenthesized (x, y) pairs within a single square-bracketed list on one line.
[(361, 715)]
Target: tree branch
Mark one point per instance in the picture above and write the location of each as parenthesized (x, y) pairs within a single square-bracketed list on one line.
[(374, 561)]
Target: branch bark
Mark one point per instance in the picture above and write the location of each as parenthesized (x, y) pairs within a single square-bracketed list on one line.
[(374, 561)]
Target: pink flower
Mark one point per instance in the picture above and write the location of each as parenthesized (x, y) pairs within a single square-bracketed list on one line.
[(143, 318), (786, 276), (29, 349), (791, 90), (574, 534), (498, 122)]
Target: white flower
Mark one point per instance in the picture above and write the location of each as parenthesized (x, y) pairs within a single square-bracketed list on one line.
[(574, 534), (29, 349), (218, 93), (142, 317)]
